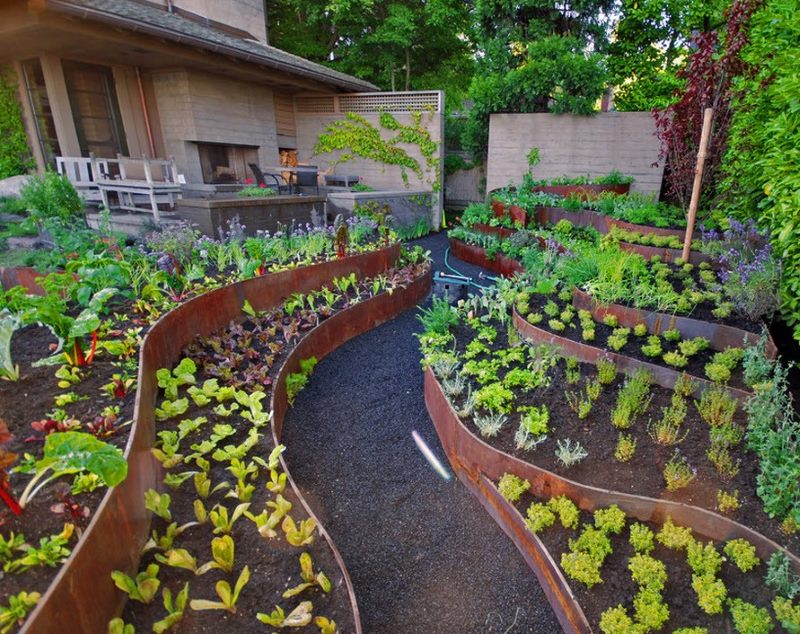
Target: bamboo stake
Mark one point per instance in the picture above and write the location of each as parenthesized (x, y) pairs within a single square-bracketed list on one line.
[(698, 181)]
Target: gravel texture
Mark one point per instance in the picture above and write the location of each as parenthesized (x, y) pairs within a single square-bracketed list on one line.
[(423, 554)]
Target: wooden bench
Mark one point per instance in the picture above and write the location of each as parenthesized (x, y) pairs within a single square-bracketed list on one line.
[(83, 174), (141, 181)]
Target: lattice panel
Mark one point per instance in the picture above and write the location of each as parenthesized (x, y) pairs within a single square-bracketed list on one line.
[(315, 105), (392, 102)]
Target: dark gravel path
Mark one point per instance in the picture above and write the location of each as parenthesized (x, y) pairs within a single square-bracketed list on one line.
[(423, 554)]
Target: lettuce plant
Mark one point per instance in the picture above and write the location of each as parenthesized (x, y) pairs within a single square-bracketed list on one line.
[(143, 588), (75, 452), (299, 617), (228, 597), (9, 322), (174, 607), (310, 578)]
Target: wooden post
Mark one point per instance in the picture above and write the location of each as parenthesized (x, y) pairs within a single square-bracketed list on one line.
[(698, 181)]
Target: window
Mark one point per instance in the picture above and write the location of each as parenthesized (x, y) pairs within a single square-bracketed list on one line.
[(95, 109), (42, 113)]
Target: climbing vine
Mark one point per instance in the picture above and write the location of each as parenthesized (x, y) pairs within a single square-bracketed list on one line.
[(354, 136), (15, 156)]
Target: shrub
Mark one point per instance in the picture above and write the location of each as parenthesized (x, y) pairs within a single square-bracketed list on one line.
[(610, 520), (606, 371), (640, 330), (750, 619), (641, 538), (648, 572), (626, 447), (673, 335), (651, 611), (711, 593), (567, 511), (742, 553), (539, 517), (788, 614), (728, 502), (511, 487), (51, 196), (616, 621), (678, 473), (581, 567), (675, 537), (704, 559), (780, 576)]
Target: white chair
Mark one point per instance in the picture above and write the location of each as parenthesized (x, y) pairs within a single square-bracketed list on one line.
[(83, 174)]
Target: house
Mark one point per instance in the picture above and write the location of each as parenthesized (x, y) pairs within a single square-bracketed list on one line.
[(193, 79)]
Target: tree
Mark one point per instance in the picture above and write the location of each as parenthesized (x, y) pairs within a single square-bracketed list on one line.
[(536, 56), (403, 45)]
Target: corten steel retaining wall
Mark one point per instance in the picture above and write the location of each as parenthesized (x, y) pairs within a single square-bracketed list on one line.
[(574, 145), (82, 597), (720, 336), (500, 264), (601, 222), (474, 461), (665, 377)]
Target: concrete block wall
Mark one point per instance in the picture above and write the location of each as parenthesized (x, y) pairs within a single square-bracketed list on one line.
[(378, 175), (196, 107), (574, 145)]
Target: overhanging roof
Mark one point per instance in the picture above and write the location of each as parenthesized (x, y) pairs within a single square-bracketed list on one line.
[(154, 21)]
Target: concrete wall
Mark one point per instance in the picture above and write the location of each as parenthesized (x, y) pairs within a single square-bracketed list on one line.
[(378, 175), (247, 15), (208, 108), (407, 207), (464, 187), (574, 145)]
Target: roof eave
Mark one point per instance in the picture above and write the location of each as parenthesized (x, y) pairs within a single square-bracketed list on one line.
[(87, 13)]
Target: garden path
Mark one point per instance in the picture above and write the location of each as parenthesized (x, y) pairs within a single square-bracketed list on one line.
[(424, 556)]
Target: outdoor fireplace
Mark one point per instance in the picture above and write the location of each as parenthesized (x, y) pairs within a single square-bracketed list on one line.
[(222, 163)]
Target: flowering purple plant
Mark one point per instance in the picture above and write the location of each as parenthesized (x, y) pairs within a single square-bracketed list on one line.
[(749, 273)]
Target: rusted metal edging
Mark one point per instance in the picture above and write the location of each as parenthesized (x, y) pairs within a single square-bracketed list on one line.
[(82, 597), (476, 255), (475, 458), (665, 377), (720, 336)]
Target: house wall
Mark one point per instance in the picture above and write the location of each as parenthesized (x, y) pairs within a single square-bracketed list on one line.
[(193, 107), (575, 145), (247, 15)]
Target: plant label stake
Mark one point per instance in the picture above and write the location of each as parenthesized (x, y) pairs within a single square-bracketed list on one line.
[(698, 181)]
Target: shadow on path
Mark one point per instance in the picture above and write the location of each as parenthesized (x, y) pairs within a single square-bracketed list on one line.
[(423, 554)]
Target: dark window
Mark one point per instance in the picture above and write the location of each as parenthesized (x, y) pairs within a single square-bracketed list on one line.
[(42, 113), (95, 109)]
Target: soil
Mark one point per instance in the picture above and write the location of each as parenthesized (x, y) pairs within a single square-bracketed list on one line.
[(633, 348), (28, 400), (643, 474), (274, 564), (423, 554), (619, 588)]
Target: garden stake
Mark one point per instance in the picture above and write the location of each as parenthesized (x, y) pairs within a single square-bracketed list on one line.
[(698, 181)]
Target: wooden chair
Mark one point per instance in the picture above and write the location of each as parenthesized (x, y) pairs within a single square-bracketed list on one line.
[(82, 172)]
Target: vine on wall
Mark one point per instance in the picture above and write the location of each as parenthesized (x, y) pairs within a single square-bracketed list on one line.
[(354, 136), (15, 155)]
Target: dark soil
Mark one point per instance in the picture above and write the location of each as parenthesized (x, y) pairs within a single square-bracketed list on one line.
[(423, 554), (256, 348), (633, 348), (643, 474), (618, 588), (28, 400)]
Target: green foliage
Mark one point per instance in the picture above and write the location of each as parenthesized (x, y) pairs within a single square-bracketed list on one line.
[(296, 381), (787, 613), (494, 397), (228, 597), (678, 473), (742, 553), (781, 577), (539, 517), (711, 593), (143, 588), (19, 605), (511, 487), (354, 136), (728, 502), (554, 73), (653, 346), (761, 179), (616, 621), (15, 156), (567, 511), (675, 537), (750, 619), (633, 399), (641, 538), (704, 559), (439, 318), (51, 196), (610, 519), (648, 572)]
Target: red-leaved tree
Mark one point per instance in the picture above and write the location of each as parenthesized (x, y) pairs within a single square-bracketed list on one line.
[(709, 74)]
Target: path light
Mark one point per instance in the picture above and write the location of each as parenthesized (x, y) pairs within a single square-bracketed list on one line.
[(430, 456)]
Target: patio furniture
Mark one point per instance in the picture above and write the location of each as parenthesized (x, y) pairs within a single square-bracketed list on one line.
[(83, 173), (307, 176), (271, 180), (341, 180), (141, 181)]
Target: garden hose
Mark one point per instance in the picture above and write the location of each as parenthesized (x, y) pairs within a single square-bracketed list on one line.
[(471, 282)]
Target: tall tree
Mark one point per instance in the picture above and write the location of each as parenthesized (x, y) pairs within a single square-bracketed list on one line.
[(649, 47), (535, 56), (402, 44)]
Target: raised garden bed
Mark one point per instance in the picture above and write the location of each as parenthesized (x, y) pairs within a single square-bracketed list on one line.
[(584, 192), (601, 222), (473, 254), (476, 462), (122, 507)]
